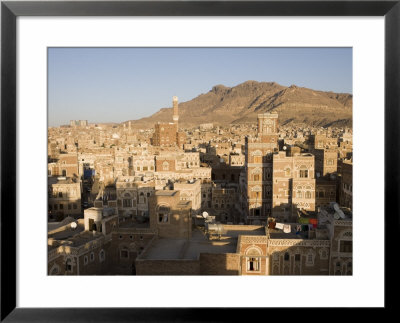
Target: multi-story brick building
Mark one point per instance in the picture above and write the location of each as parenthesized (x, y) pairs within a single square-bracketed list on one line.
[(65, 165), (326, 161), (346, 184), (224, 198), (190, 191), (293, 185), (133, 196), (64, 197), (258, 168), (167, 134)]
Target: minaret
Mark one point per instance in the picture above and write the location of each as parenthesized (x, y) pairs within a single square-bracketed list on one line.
[(175, 116)]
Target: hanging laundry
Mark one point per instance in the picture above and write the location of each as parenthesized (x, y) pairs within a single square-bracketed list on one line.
[(298, 228), (287, 228), (279, 226), (303, 220), (271, 225), (304, 227), (310, 227)]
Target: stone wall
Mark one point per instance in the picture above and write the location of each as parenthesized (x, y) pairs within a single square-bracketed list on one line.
[(167, 267), (219, 264)]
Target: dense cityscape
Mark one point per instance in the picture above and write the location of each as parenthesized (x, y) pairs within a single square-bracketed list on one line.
[(245, 199)]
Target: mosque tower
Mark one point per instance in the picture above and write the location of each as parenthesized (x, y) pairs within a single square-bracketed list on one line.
[(175, 116)]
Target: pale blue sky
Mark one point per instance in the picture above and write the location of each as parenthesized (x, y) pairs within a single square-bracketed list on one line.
[(119, 84)]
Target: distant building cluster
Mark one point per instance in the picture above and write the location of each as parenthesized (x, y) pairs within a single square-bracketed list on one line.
[(246, 199), (78, 123)]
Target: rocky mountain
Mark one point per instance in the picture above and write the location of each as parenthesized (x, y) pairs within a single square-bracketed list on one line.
[(242, 103)]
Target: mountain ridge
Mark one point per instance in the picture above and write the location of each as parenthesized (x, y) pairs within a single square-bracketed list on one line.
[(242, 103)]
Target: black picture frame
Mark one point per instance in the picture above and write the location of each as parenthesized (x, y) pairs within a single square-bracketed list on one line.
[(10, 10)]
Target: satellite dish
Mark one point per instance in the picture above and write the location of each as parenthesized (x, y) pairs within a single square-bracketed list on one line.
[(341, 214), (205, 214), (336, 207), (73, 225), (336, 216), (284, 147)]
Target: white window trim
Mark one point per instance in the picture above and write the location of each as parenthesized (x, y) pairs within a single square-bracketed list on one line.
[(248, 264)]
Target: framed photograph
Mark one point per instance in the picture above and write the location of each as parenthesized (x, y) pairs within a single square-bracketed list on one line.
[(175, 155)]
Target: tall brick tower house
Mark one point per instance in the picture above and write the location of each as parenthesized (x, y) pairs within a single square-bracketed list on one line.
[(258, 168)]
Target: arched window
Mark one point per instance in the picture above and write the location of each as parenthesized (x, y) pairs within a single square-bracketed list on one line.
[(308, 195), (256, 173), (163, 214), (323, 253), (165, 165), (253, 260), (299, 194), (141, 198), (303, 171), (257, 156), (68, 265), (127, 201), (102, 255), (286, 256), (253, 264), (310, 258)]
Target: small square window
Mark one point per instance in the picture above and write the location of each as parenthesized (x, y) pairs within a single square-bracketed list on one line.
[(124, 253)]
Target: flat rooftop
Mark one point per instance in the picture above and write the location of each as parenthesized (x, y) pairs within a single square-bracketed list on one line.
[(233, 231), (60, 180), (67, 233), (128, 224), (165, 193), (83, 237), (182, 204), (279, 234), (175, 249), (167, 249)]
